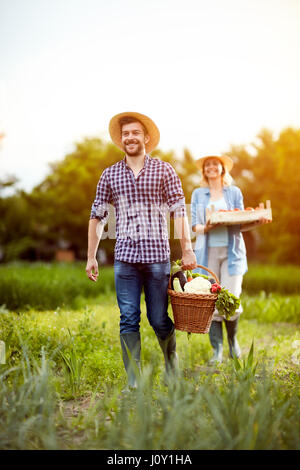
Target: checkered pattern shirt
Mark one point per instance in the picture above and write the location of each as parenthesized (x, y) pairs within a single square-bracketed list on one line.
[(141, 207)]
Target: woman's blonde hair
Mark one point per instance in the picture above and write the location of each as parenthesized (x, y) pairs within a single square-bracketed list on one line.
[(227, 179)]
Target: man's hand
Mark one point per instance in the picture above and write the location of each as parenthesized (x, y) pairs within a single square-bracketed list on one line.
[(188, 260), (92, 269)]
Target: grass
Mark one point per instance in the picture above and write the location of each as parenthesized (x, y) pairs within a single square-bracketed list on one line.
[(46, 286), (61, 384), (50, 285), (283, 280)]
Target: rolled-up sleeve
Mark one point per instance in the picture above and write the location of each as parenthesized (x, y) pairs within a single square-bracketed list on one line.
[(173, 193), (100, 206)]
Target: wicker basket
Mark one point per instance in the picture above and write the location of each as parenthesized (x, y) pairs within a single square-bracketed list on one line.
[(193, 312)]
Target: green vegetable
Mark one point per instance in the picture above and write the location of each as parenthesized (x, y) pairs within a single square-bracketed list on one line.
[(176, 266), (176, 285), (227, 303)]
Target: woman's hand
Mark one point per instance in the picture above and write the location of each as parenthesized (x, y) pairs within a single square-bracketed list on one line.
[(202, 229), (255, 224), (263, 221), (208, 227)]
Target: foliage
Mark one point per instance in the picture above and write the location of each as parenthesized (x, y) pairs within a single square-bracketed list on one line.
[(27, 406), (46, 286), (227, 303), (247, 407), (270, 163), (272, 307), (272, 278), (266, 292), (73, 366), (55, 214), (208, 412), (245, 369)]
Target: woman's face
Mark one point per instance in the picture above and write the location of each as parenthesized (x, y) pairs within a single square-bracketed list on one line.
[(212, 168)]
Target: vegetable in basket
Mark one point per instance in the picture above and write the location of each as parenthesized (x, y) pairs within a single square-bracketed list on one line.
[(226, 303), (176, 285), (181, 277), (198, 285)]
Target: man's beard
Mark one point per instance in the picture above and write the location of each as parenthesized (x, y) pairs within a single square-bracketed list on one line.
[(134, 152)]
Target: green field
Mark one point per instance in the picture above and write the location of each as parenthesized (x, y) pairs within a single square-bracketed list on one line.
[(52, 316)]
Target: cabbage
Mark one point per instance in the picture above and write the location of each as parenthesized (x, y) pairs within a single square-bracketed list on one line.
[(198, 285)]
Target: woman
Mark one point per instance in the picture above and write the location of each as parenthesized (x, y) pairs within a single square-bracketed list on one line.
[(220, 248)]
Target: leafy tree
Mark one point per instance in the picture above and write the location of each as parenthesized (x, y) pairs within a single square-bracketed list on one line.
[(62, 202), (56, 212), (269, 170)]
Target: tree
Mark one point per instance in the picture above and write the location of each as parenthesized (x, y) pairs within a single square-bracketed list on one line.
[(35, 224), (269, 170)]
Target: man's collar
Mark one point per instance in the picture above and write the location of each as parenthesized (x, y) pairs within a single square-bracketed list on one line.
[(146, 161)]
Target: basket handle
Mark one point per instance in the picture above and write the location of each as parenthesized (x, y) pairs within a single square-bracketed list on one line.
[(202, 267), (210, 272)]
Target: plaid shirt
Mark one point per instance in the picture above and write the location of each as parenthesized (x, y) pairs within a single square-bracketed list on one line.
[(141, 205)]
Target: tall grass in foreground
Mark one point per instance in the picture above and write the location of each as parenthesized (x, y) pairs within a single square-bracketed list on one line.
[(27, 407), (213, 412), (231, 414)]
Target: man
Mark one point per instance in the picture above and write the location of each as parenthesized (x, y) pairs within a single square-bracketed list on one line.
[(142, 189)]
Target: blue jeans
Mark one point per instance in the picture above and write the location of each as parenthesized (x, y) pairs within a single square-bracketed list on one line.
[(130, 278)]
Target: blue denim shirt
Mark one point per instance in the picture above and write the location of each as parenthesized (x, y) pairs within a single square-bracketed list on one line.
[(237, 261)]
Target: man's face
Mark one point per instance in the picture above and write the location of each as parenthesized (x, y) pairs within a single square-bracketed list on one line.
[(134, 139)]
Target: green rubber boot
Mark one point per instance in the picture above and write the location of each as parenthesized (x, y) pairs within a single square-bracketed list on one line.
[(168, 347), (131, 353), (216, 340), (234, 347)]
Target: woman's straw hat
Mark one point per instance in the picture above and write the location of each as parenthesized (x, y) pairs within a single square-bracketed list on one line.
[(227, 162), (115, 130)]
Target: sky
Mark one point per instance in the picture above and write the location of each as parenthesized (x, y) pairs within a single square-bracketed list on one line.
[(209, 73)]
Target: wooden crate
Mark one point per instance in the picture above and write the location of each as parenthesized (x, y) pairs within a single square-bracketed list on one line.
[(239, 217)]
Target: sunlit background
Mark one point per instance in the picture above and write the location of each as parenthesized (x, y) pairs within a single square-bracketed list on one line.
[(210, 73)]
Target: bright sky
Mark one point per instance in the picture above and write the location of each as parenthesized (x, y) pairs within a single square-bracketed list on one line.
[(210, 73)]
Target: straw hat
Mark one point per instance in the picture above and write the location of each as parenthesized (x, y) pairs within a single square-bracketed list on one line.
[(153, 132), (227, 162)]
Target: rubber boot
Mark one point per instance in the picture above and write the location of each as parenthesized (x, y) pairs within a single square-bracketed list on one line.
[(234, 348), (168, 346), (131, 357), (216, 340)]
